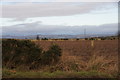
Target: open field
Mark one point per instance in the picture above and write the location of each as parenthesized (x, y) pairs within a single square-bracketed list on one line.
[(84, 47), (87, 55), (83, 58)]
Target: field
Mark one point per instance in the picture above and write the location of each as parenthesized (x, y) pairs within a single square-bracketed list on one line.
[(85, 55), (84, 47), (82, 58)]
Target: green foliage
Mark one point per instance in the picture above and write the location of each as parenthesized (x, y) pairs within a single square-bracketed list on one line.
[(57, 74), (52, 55), (17, 52), (26, 54), (6, 73)]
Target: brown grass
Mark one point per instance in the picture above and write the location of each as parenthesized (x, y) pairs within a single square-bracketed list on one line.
[(82, 55)]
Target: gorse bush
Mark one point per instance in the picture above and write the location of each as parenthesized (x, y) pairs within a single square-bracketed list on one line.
[(27, 53), (17, 52), (52, 55)]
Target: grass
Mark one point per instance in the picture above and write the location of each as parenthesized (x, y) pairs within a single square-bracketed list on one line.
[(57, 74), (77, 61), (71, 67)]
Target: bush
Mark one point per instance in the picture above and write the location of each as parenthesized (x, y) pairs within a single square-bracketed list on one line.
[(52, 55), (44, 38), (65, 39), (26, 54), (19, 52)]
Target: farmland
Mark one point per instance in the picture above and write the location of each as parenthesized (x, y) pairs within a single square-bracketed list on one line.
[(82, 58), (86, 54), (84, 47)]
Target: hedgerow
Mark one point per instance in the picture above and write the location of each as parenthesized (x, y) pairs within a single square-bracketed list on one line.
[(26, 53)]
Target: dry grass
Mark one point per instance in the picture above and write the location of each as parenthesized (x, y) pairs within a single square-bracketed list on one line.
[(72, 66), (101, 56), (81, 57)]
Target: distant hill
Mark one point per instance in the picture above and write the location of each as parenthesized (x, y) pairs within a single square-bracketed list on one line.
[(56, 36)]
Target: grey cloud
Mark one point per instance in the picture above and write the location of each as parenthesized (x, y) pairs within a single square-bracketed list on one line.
[(23, 10), (35, 28), (59, 0)]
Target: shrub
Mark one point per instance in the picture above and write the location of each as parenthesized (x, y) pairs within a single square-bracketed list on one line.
[(65, 39), (37, 37), (52, 55), (17, 52), (26, 54), (44, 38)]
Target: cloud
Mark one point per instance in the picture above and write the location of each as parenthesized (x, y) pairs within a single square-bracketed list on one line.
[(60, 0), (33, 18), (24, 10), (35, 28)]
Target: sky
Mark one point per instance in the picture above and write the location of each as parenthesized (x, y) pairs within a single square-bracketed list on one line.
[(55, 17)]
